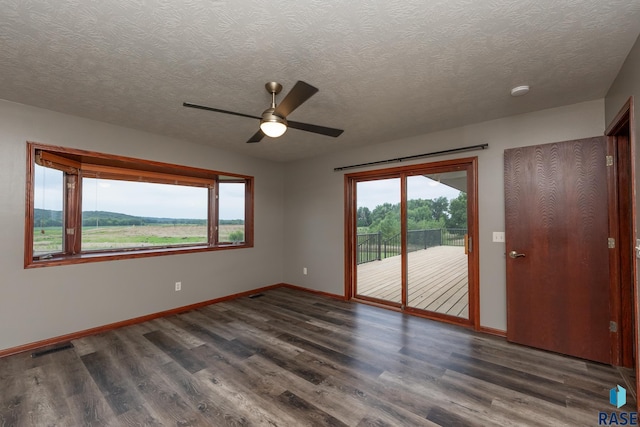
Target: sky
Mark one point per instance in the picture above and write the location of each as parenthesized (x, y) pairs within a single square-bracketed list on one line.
[(167, 201), (139, 198), (377, 192)]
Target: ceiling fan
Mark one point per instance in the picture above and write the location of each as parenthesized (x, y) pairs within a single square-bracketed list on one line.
[(273, 122)]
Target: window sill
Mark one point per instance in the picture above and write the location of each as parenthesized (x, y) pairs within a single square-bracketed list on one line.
[(88, 257)]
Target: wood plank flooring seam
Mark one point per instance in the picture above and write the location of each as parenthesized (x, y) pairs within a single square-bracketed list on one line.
[(291, 358)]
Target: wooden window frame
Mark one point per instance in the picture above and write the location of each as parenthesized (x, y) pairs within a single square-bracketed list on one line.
[(77, 164)]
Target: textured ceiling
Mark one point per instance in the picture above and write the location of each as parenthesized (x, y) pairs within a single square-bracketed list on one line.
[(386, 69)]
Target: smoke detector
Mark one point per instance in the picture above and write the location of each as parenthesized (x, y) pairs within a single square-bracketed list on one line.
[(520, 90)]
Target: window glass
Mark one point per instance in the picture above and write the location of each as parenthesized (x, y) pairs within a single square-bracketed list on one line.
[(231, 204), (127, 214), (87, 207), (48, 220)]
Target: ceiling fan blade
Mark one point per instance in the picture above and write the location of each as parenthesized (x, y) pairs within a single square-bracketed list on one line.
[(217, 110), (322, 130), (257, 137), (300, 93)]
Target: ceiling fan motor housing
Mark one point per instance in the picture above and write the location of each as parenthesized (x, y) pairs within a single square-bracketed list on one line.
[(271, 124), (268, 116)]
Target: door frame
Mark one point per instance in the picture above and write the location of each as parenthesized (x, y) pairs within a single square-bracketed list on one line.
[(350, 231), (621, 145)]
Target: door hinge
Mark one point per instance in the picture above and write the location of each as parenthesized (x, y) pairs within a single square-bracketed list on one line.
[(613, 326), (71, 185), (71, 231), (611, 242), (609, 160)]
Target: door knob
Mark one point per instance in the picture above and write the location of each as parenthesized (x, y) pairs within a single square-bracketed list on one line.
[(514, 254)]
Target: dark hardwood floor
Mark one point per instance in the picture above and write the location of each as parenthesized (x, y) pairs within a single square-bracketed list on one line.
[(290, 358)]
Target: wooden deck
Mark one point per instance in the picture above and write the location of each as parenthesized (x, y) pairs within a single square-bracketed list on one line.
[(438, 280)]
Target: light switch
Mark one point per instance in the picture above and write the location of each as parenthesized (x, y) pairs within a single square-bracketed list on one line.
[(498, 236)]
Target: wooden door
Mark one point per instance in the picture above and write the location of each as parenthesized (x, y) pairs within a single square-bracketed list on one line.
[(556, 243)]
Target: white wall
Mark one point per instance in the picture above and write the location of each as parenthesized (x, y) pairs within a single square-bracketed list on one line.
[(42, 303), (314, 203)]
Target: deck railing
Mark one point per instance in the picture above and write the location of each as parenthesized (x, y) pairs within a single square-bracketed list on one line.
[(372, 247), (368, 247), (453, 236)]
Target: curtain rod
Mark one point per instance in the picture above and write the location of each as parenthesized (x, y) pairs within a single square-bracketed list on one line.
[(416, 156)]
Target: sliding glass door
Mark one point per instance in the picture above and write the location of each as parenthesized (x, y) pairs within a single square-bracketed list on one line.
[(411, 238), (379, 249), (437, 241)]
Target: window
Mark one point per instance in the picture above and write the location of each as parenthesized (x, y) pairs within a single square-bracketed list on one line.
[(47, 219), (231, 221), (124, 214), (84, 206)]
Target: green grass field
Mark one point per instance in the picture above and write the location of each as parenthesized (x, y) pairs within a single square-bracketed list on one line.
[(49, 239)]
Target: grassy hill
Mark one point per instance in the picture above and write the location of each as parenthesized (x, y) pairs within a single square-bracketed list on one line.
[(51, 218)]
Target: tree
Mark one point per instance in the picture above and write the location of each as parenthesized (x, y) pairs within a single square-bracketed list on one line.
[(419, 211), (458, 212), (422, 214), (390, 226), (439, 207), (364, 216), (382, 211), (236, 236)]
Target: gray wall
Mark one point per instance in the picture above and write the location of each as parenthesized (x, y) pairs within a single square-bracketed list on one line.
[(37, 304), (307, 196), (314, 203), (627, 84)]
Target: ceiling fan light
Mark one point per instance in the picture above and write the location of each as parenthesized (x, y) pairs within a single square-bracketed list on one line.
[(273, 128), (272, 125)]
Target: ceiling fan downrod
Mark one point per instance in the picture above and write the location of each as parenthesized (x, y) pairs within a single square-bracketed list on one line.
[(273, 88), (271, 124)]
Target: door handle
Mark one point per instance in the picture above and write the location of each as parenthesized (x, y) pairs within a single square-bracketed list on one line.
[(514, 254)]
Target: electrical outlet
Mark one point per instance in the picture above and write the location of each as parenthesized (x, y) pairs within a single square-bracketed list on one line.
[(178, 286), (498, 236), (304, 270)]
